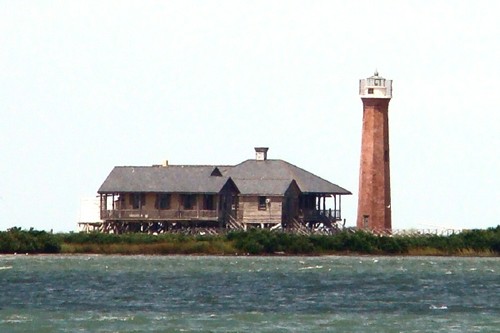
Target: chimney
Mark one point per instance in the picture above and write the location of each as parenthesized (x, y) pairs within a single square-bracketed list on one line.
[(261, 153), (164, 163)]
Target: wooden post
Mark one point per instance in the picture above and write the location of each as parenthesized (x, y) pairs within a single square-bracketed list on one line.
[(101, 206), (340, 206), (335, 205), (198, 205)]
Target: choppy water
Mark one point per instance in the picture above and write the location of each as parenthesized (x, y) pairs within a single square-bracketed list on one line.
[(248, 294)]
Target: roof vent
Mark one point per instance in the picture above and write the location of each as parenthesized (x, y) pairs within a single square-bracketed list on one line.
[(261, 153)]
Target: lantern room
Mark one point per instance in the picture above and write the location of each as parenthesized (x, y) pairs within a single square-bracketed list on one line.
[(375, 87)]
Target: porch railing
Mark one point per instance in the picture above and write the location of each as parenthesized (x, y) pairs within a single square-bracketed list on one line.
[(136, 214), (331, 214)]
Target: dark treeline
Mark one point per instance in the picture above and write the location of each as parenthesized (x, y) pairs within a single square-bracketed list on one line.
[(16, 240), (255, 242)]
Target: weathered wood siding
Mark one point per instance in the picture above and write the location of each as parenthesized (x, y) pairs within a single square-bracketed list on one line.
[(249, 211), (291, 204), (228, 199)]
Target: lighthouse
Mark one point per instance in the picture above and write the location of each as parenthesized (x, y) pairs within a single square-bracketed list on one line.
[(374, 197)]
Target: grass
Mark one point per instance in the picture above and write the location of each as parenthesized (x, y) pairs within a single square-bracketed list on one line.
[(191, 246)]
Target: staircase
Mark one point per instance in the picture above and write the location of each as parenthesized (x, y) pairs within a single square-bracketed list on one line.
[(296, 227), (233, 224)]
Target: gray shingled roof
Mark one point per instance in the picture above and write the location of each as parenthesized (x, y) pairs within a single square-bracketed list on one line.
[(263, 186), (173, 179), (269, 173), (252, 177)]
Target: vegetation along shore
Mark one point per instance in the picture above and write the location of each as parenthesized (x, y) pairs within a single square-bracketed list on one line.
[(253, 242)]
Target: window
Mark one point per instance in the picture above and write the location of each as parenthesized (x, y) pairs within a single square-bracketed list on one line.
[(263, 203), (307, 202), (163, 201), (189, 201), (137, 200), (365, 221), (208, 202), (370, 90)]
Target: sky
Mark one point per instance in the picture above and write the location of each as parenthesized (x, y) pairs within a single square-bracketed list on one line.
[(89, 85)]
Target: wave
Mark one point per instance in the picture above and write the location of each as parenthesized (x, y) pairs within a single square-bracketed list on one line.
[(310, 267)]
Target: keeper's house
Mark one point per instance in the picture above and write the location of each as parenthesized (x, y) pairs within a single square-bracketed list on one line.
[(259, 192)]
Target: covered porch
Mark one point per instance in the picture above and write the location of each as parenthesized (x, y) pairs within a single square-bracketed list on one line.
[(320, 209), (137, 206)]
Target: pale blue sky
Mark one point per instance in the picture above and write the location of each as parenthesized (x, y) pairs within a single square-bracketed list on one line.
[(87, 85)]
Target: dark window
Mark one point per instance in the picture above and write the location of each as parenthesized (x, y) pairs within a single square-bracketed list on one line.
[(121, 202), (370, 90), (307, 202), (189, 200), (209, 202), (163, 201), (235, 202), (262, 203), (137, 200)]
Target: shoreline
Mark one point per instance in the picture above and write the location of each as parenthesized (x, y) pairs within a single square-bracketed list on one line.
[(256, 242), (247, 255)]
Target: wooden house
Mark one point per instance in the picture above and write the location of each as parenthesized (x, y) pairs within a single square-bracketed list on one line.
[(260, 192), (162, 197), (275, 193)]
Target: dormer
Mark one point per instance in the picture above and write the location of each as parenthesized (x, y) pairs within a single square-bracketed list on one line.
[(216, 172)]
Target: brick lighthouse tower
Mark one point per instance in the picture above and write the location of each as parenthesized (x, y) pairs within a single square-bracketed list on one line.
[(374, 202)]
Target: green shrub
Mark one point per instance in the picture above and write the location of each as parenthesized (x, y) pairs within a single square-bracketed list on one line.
[(28, 241), (392, 245)]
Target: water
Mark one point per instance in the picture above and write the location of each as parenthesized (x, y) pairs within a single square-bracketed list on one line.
[(248, 294)]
